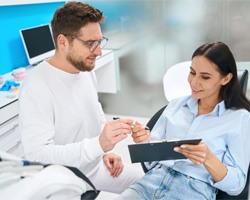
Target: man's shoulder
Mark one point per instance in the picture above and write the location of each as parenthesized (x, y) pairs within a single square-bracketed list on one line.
[(36, 76)]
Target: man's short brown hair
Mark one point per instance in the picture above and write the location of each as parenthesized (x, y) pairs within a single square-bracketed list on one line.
[(71, 17)]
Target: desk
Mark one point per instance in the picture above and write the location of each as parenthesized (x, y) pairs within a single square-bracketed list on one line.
[(105, 70)]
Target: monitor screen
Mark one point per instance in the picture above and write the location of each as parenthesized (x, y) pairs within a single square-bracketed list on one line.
[(38, 43)]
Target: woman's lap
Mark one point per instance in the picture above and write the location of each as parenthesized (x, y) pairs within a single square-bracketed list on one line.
[(165, 183)]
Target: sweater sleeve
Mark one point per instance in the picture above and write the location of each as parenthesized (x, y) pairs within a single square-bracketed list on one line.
[(36, 118)]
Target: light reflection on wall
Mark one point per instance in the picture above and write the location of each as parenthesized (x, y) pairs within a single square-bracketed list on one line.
[(162, 33)]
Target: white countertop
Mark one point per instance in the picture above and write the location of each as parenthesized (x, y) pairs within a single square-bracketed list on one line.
[(9, 97)]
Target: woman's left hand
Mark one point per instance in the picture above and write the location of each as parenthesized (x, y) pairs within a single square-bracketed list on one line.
[(198, 154), (114, 164)]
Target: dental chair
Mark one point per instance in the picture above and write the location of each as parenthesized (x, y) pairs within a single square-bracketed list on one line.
[(90, 195), (33, 180), (176, 85)]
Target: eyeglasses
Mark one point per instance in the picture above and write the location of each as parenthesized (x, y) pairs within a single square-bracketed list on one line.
[(92, 44)]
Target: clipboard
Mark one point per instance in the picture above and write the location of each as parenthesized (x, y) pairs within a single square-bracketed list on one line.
[(157, 151)]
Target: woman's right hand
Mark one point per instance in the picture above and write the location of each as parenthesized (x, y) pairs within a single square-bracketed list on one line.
[(140, 133)]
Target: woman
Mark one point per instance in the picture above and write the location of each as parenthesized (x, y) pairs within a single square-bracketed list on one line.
[(217, 112)]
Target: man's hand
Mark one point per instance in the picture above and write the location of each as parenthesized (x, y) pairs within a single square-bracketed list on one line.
[(140, 133), (113, 163), (114, 132)]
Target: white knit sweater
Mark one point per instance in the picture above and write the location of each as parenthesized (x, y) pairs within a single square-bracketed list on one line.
[(61, 117)]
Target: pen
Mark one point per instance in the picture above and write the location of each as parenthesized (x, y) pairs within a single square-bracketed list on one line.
[(133, 124)]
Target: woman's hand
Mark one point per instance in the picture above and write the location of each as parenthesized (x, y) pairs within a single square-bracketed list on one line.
[(140, 133), (113, 163), (198, 154)]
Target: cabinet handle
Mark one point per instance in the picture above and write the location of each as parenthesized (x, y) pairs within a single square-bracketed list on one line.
[(14, 147), (7, 132)]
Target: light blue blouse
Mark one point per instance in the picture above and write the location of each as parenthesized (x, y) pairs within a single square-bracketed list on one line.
[(226, 132)]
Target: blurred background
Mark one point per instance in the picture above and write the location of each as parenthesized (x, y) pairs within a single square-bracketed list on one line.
[(149, 36)]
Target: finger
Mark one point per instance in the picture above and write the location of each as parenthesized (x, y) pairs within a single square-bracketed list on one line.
[(198, 150), (196, 157), (189, 152), (142, 138), (119, 138), (140, 133), (119, 125), (118, 132), (115, 166), (123, 120), (114, 172), (135, 124), (118, 169), (138, 127), (192, 147), (107, 164)]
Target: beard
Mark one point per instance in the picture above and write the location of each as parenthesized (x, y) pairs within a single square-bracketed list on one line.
[(79, 64)]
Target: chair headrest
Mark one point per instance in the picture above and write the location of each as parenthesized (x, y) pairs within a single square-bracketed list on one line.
[(175, 81)]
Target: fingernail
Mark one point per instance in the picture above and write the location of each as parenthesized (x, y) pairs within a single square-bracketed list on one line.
[(133, 124), (183, 146), (176, 149), (115, 118), (146, 128)]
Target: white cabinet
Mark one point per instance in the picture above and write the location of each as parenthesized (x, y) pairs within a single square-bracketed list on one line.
[(106, 72), (9, 129)]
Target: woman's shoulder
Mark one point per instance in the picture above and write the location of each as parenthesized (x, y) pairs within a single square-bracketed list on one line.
[(181, 100), (240, 113)]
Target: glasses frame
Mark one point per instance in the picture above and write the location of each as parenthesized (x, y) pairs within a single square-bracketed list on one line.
[(91, 44)]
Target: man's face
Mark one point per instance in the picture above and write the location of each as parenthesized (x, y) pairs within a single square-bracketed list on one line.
[(79, 54)]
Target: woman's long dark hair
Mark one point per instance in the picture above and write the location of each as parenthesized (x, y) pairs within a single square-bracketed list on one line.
[(220, 54)]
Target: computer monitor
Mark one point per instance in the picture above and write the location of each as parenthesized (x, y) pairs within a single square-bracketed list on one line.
[(38, 43)]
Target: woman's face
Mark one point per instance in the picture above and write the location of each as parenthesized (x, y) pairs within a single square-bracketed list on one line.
[(204, 79)]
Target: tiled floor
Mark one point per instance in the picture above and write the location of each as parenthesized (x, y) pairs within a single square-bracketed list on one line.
[(122, 150)]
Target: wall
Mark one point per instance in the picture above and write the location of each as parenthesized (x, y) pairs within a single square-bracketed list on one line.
[(12, 19), (120, 15)]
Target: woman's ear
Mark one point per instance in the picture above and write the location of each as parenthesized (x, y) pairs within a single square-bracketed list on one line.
[(227, 78)]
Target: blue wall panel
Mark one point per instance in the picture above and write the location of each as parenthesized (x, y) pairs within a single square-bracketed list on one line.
[(14, 18)]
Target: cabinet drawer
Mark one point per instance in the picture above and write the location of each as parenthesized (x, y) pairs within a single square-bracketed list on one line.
[(9, 111), (17, 150), (9, 134)]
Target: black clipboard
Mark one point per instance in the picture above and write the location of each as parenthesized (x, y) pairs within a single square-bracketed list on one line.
[(157, 151)]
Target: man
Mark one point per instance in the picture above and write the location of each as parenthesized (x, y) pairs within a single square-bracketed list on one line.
[(61, 119)]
